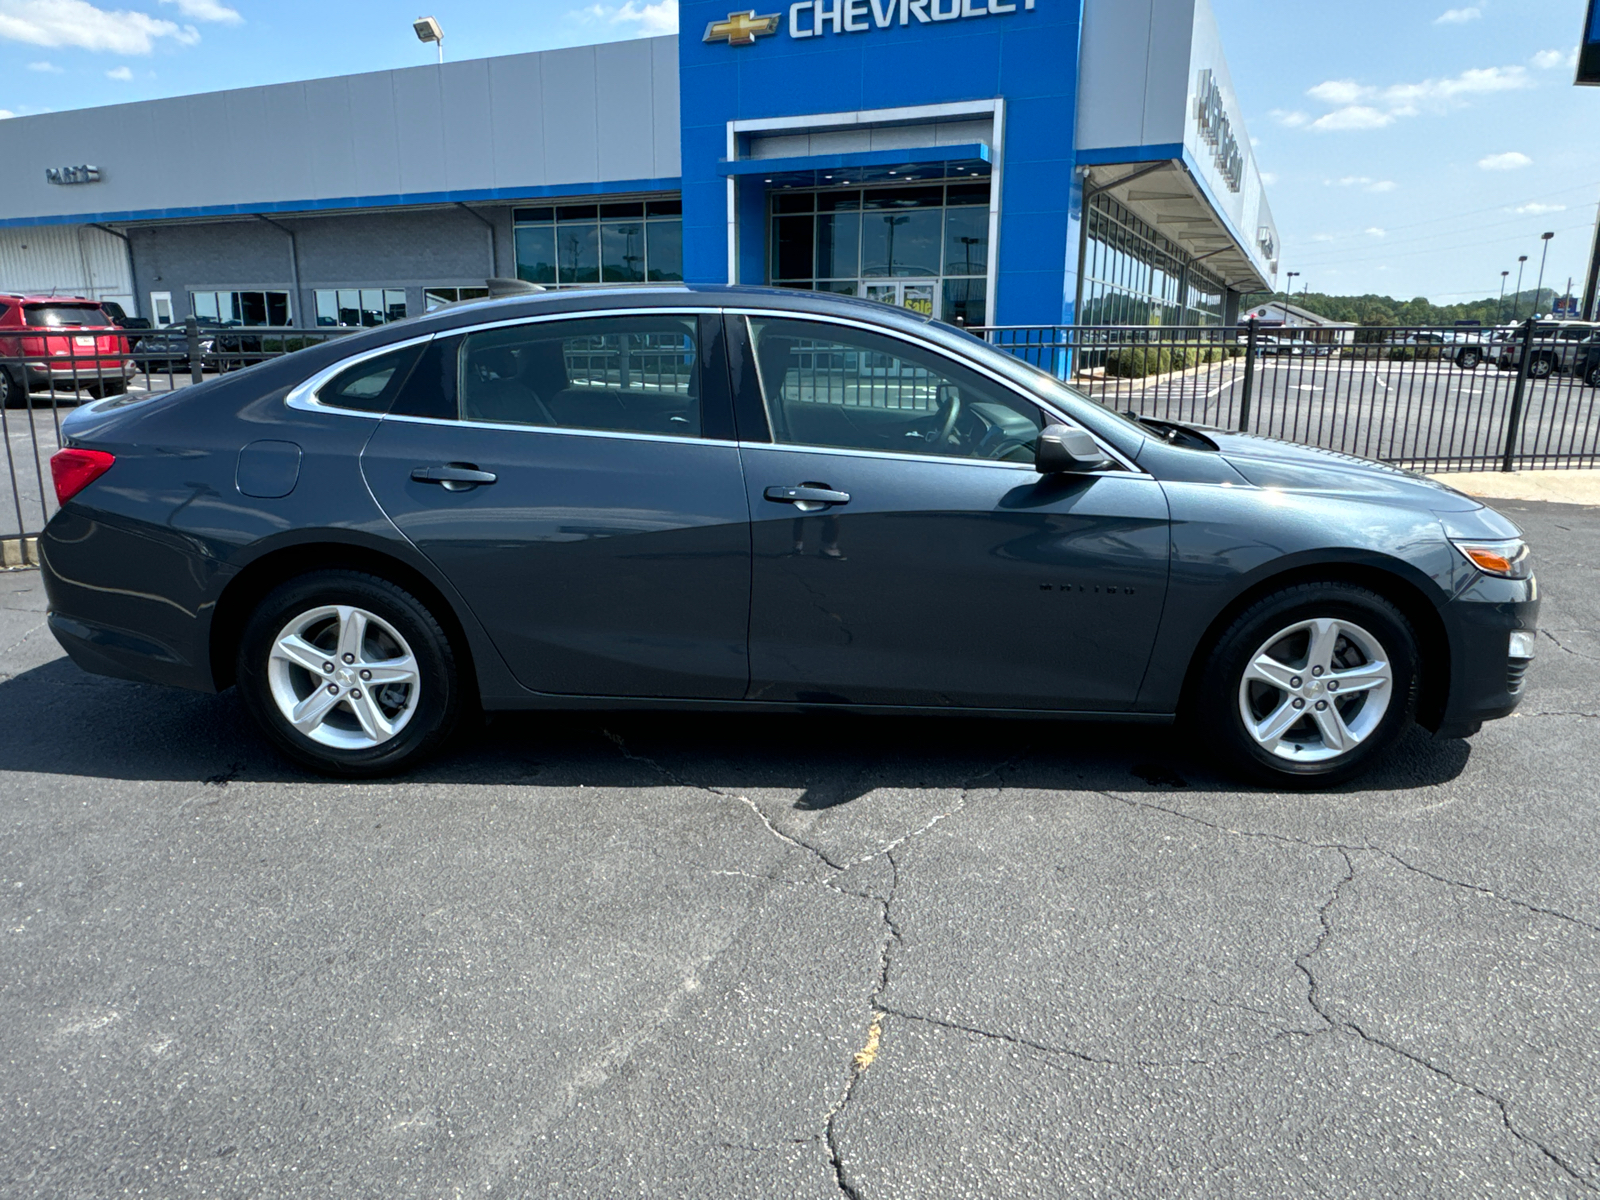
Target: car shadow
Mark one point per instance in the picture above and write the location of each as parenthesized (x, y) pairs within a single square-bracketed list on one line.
[(61, 721)]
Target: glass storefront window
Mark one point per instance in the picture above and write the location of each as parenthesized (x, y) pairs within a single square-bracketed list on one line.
[(879, 242), (622, 241), (1132, 275), (368, 307), (258, 308), (437, 297)]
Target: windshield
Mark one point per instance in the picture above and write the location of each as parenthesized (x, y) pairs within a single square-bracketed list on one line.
[(59, 315)]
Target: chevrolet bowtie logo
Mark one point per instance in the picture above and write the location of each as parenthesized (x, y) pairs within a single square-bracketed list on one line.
[(742, 29)]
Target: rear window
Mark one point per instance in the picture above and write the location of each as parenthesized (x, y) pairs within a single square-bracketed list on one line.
[(57, 315)]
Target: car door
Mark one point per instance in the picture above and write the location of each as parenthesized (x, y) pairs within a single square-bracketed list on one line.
[(905, 550), (577, 480)]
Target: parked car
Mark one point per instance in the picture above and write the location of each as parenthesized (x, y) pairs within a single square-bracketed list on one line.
[(167, 348), (1586, 363), (66, 343), (121, 319), (746, 499), (1554, 349)]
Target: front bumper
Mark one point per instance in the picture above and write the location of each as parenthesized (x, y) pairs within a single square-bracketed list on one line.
[(1486, 682)]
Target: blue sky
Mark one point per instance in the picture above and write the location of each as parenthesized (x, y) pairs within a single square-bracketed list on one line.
[(1411, 148)]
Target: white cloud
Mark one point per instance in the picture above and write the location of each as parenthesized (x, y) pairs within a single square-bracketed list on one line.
[(1458, 16), (1293, 119), (1323, 237), (1269, 178), (1539, 210), (648, 20), (79, 23), (1366, 183), (1361, 106), (1509, 161), (121, 74), (6, 113), (1550, 60), (49, 67), (1374, 231), (1354, 116), (207, 10)]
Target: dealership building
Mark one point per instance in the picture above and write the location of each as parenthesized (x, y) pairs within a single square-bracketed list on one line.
[(1011, 162)]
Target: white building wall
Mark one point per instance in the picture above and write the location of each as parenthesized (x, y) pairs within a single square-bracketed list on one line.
[(73, 260)]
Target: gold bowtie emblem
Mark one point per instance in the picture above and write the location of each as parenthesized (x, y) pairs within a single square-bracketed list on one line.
[(742, 29)]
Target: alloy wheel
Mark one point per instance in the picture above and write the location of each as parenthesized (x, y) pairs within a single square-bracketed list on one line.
[(343, 677), (1315, 690)]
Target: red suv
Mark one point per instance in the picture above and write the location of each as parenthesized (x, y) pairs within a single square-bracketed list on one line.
[(65, 342)]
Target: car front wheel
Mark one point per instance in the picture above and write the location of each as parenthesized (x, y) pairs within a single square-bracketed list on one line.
[(1540, 368), (1467, 360), (1592, 377), (349, 674), (1310, 685)]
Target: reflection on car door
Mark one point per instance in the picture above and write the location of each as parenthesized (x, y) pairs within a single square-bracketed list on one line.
[(588, 503), (895, 568)]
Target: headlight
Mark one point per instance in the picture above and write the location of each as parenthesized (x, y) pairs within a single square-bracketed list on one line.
[(1508, 560)]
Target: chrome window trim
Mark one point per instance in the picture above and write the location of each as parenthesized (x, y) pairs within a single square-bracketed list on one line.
[(933, 348), (303, 396), (899, 456), (563, 430)]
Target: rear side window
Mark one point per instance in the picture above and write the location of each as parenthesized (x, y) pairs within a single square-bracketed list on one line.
[(370, 386), (58, 315), (634, 374)]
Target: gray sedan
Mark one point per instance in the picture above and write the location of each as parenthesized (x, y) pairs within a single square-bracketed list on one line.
[(723, 498)]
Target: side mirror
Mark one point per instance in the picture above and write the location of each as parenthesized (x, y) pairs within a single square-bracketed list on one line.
[(1063, 450)]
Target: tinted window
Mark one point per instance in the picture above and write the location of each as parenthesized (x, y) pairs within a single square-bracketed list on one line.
[(55, 315), (627, 374), (834, 385), (369, 386)]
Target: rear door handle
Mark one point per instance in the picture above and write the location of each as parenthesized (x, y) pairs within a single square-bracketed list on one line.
[(454, 477), (805, 495)]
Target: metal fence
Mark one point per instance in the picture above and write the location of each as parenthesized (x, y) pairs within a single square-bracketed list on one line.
[(46, 372), (1429, 399)]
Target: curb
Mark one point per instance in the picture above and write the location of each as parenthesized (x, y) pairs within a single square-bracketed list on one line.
[(19, 554)]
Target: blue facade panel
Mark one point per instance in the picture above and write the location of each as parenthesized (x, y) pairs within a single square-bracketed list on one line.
[(966, 50)]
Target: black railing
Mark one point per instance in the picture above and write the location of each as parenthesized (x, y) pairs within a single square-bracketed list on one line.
[(45, 373), (1425, 398), (1429, 399)]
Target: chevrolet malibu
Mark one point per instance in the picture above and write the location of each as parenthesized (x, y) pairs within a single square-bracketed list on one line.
[(744, 499)]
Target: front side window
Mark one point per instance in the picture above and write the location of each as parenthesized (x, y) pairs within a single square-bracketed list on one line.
[(621, 374), (840, 386)]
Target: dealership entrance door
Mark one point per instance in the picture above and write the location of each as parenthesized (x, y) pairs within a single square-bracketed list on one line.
[(918, 297)]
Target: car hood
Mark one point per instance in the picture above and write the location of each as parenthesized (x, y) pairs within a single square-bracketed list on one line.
[(1285, 466)]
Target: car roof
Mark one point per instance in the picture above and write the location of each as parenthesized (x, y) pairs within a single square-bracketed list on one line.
[(26, 298)]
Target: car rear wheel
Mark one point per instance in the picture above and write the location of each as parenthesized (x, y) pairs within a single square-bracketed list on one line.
[(1540, 368), (1592, 377), (349, 674), (10, 393), (1310, 685), (1468, 360)]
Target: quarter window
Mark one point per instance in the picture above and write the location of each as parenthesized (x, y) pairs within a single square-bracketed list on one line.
[(624, 374), (370, 386), (838, 386)]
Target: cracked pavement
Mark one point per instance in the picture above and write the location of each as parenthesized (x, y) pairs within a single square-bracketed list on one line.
[(664, 955)]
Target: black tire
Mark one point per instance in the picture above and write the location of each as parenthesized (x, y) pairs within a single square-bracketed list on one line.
[(439, 703), (1468, 360), (11, 396), (1592, 376), (1218, 704), (1540, 368)]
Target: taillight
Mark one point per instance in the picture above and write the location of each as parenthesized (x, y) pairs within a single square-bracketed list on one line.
[(74, 470)]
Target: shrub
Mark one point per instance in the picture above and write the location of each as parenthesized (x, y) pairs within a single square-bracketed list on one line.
[(1132, 362)]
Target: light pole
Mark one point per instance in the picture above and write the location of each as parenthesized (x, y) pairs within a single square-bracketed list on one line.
[(1543, 254), (1288, 294), (427, 30), (1500, 309), (1516, 298)]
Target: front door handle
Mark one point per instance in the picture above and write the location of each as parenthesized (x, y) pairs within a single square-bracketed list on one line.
[(454, 477), (807, 497)]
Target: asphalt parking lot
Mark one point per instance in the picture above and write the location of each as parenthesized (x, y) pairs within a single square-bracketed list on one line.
[(713, 956)]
